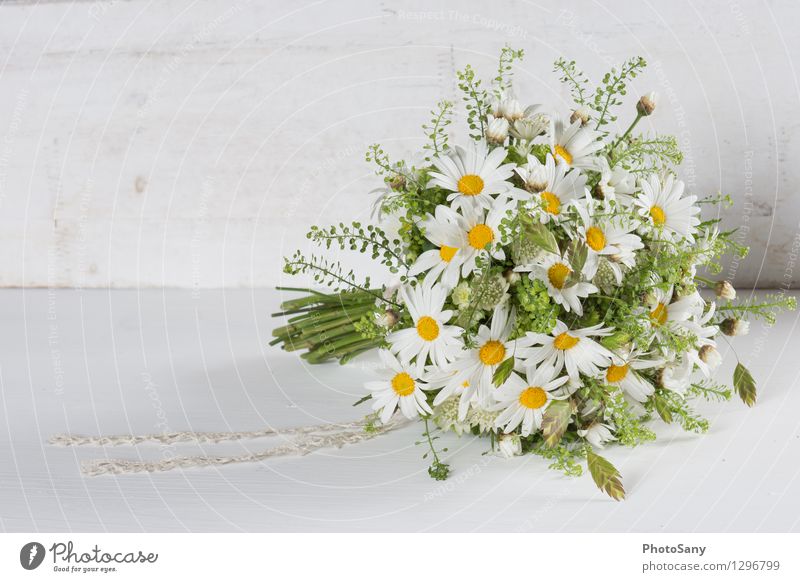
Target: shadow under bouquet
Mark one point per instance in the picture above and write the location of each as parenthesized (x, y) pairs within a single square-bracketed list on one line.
[(547, 286)]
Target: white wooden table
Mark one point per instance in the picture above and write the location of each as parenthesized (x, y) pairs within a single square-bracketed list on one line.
[(95, 362)]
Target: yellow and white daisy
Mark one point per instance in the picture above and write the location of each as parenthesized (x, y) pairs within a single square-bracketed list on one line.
[(664, 208), (663, 313), (555, 271), (607, 237), (623, 373), (469, 376), (564, 347), (481, 232), (523, 401), (575, 146), (473, 175), (444, 231), (552, 184), (401, 388), (430, 336)]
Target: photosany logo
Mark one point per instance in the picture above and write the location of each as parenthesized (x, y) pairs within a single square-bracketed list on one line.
[(31, 555)]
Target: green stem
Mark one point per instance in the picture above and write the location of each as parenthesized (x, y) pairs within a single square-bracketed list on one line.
[(627, 131)]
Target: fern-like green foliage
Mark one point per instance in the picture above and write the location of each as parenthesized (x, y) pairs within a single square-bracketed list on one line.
[(476, 101), (502, 82), (436, 130), (364, 239), (572, 77), (612, 88)]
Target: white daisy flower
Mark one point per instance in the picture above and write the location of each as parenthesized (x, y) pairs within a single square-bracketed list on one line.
[(664, 208), (608, 237), (481, 232), (554, 186), (615, 185), (705, 356), (470, 374), (623, 373), (676, 375), (444, 231), (401, 387), (429, 336), (574, 349), (575, 145), (555, 271), (496, 130), (473, 175), (523, 402), (598, 434)]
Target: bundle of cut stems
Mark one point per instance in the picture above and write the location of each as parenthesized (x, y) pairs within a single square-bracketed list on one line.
[(324, 324)]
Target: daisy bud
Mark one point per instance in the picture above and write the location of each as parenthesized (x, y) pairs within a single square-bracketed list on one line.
[(725, 290), (509, 445), (734, 327), (710, 356), (397, 183), (497, 130), (388, 318), (536, 180), (647, 104), (510, 109), (582, 114)]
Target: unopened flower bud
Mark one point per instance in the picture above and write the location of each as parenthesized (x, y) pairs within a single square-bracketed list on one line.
[(510, 109), (536, 180), (710, 356), (511, 276), (388, 318), (497, 130), (581, 114), (647, 104), (527, 129), (734, 327), (725, 290)]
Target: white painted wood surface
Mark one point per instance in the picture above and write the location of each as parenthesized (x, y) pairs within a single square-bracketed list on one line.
[(101, 362), (191, 143)]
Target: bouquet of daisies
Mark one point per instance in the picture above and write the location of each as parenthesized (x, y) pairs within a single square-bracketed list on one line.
[(546, 289)]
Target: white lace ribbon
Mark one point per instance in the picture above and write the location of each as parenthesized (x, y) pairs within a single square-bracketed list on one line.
[(304, 440)]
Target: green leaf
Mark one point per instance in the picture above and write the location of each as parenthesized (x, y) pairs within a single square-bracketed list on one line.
[(541, 236), (503, 371), (662, 408), (605, 476), (744, 384), (615, 340), (578, 253), (362, 400), (555, 421)]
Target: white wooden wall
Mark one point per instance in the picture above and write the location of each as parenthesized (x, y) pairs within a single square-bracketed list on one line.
[(191, 143)]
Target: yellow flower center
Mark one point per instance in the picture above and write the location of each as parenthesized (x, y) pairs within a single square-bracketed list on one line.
[(552, 203), (659, 315), (595, 238), (403, 384), (465, 384), (492, 353), (427, 328), (564, 341), (480, 236), (564, 154), (470, 185), (447, 253), (658, 216), (533, 397), (616, 373), (557, 274)]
